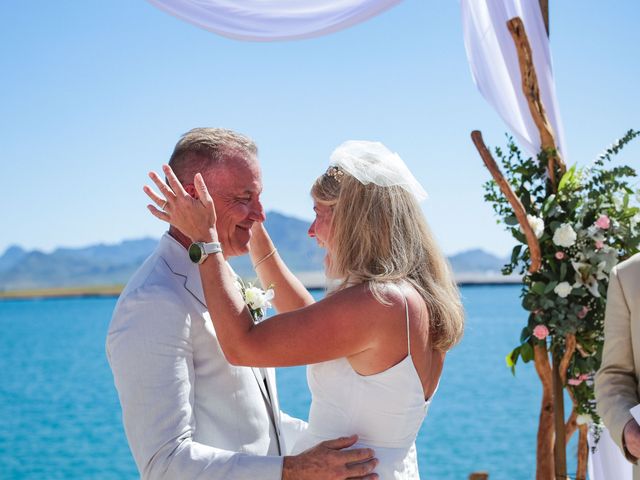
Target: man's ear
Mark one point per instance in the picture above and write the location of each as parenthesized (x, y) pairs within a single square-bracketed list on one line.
[(190, 188)]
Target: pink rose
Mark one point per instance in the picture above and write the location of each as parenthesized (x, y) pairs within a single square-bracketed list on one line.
[(559, 255), (583, 313), (574, 382), (540, 332), (584, 377), (603, 222), (599, 245)]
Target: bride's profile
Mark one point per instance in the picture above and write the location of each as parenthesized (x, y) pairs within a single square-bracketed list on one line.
[(376, 344)]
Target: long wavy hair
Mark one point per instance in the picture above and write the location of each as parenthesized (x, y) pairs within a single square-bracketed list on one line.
[(379, 236)]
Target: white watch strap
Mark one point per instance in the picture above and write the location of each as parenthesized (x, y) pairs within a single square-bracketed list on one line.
[(212, 247)]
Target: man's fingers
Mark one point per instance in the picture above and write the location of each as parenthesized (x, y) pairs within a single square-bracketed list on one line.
[(340, 443), (157, 199), (201, 188), (164, 189), (357, 455), (358, 470), (158, 213), (174, 183), (371, 476)]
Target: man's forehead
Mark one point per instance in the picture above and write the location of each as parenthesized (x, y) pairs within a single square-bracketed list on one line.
[(238, 176)]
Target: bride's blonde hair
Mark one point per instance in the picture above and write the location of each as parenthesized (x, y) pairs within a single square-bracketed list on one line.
[(380, 236)]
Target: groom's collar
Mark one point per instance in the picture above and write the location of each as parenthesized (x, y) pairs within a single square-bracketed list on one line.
[(177, 259)]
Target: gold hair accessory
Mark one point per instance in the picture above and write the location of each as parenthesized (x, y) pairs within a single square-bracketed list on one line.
[(335, 172)]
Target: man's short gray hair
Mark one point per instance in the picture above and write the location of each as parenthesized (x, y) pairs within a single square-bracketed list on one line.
[(202, 149)]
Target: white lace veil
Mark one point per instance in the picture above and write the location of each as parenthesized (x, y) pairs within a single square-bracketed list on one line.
[(372, 162)]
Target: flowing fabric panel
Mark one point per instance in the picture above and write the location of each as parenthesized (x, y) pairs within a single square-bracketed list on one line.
[(268, 20), (494, 65), (607, 461)]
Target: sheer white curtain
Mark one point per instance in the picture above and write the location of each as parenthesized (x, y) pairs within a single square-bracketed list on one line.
[(607, 461), (268, 20), (494, 65)]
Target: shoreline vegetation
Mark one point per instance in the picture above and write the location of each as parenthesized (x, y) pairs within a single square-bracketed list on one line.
[(311, 280)]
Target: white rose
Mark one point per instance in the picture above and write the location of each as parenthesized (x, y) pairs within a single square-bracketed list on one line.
[(536, 224), (563, 289), (564, 236), (618, 202), (635, 220), (584, 419), (256, 298)]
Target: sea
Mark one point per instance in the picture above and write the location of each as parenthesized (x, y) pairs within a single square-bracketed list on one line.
[(60, 417)]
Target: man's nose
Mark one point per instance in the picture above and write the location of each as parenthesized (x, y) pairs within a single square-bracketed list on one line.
[(257, 212), (312, 230)]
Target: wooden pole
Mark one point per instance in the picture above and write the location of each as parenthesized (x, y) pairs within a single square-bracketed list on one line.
[(531, 92), (560, 447), (544, 8), (544, 450), (514, 201)]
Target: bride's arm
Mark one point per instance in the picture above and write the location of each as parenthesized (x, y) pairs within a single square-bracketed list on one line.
[(271, 269), (344, 324)]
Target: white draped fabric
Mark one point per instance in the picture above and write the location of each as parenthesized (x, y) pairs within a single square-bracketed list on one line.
[(607, 462), (494, 65), (268, 20)]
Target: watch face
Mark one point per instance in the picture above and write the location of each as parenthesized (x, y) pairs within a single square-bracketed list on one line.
[(195, 253)]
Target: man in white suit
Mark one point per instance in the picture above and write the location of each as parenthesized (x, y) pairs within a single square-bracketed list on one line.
[(616, 384), (187, 412)]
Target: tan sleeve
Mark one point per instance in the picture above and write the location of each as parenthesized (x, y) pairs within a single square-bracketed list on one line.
[(616, 387)]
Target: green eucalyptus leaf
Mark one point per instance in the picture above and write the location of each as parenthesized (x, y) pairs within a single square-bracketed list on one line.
[(515, 253), (538, 288), (511, 220), (550, 286), (526, 352)]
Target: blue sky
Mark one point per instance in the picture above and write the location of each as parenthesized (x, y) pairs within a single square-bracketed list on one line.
[(95, 94)]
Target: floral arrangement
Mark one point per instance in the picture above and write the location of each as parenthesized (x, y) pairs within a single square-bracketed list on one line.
[(257, 299), (584, 229)]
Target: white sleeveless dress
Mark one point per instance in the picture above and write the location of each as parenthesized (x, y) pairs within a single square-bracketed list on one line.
[(385, 410)]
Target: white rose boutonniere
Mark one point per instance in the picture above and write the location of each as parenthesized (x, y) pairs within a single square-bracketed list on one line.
[(257, 300)]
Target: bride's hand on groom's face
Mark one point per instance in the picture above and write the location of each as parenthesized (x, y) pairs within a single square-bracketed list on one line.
[(193, 214)]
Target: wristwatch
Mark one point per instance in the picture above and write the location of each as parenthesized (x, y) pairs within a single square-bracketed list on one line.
[(199, 251)]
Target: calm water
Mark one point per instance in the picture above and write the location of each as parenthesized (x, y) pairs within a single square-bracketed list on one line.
[(60, 416)]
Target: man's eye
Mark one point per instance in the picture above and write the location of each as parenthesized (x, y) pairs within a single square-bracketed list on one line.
[(244, 199)]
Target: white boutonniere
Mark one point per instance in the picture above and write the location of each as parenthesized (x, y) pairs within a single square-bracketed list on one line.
[(256, 299)]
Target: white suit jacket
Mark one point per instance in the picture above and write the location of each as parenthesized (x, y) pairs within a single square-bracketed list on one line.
[(187, 412), (617, 386)]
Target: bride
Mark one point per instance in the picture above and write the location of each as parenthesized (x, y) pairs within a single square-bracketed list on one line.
[(376, 344)]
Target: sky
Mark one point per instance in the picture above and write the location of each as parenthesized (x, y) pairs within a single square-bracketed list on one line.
[(93, 95)]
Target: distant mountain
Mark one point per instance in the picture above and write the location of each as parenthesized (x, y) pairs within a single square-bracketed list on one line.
[(113, 264), (476, 261), (67, 267)]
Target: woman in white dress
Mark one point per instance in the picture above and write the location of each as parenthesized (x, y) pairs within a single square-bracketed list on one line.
[(376, 344)]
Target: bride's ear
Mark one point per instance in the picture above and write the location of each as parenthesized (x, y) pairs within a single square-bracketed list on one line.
[(190, 188)]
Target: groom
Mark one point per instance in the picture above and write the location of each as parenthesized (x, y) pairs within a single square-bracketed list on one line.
[(187, 412), (617, 385)]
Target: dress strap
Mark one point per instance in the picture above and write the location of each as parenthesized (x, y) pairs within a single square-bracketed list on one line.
[(406, 309)]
